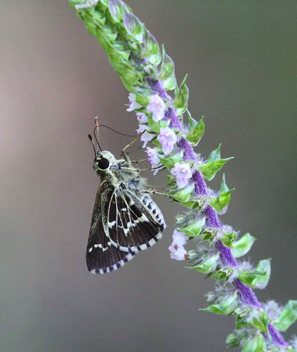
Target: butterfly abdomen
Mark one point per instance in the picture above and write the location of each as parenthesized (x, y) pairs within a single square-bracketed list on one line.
[(154, 211)]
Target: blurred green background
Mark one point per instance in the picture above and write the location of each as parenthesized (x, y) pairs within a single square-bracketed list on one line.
[(55, 78)]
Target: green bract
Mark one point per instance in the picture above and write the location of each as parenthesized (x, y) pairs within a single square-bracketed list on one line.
[(184, 194), (194, 229), (213, 165), (259, 277), (209, 234), (196, 131), (181, 98), (239, 337), (228, 239), (169, 161), (226, 307), (208, 265), (287, 317), (221, 201), (166, 72), (260, 320), (243, 245), (257, 344), (226, 273)]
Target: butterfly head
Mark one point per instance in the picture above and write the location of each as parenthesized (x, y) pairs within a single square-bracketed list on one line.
[(103, 160)]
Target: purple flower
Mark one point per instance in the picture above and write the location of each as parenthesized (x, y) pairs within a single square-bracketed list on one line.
[(157, 107), (177, 249), (167, 138), (245, 265), (153, 158), (133, 103), (272, 309), (142, 118), (145, 137), (182, 173)]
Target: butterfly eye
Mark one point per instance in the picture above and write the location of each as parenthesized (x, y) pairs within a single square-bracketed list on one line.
[(103, 163)]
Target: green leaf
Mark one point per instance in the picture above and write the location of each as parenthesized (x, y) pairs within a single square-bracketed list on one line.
[(215, 155), (209, 234), (116, 9), (164, 124), (194, 229), (228, 239), (153, 125), (262, 281), (192, 122), (155, 59), (221, 201), (208, 265), (169, 83), (181, 98), (210, 168), (225, 273), (142, 100), (191, 204), (224, 188), (239, 337), (243, 245), (213, 165), (184, 194), (257, 344), (167, 67), (260, 321), (287, 317), (151, 46), (196, 133), (169, 161), (258, 278), (223, 308), (132, 24)]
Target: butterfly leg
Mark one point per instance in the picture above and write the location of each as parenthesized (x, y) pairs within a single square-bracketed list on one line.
[(127, 159), (159, 193), (129, 145), (161, 167)]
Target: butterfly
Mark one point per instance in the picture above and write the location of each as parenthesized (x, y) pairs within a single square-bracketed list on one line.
[(125, 219)]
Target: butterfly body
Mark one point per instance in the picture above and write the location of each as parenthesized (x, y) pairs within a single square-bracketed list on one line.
[(125, 219)]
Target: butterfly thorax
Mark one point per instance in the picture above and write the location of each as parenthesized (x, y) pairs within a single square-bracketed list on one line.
[(115, 171)]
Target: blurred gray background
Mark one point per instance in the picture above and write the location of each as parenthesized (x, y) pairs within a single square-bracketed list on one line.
[(55, 78)]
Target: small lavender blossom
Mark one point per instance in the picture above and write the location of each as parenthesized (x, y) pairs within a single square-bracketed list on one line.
[(153, 158), (272, 309), (133, 103), (182, 173), (245, 265), (157, 107), (177, 249), (167, 138), (145, 137), (141, 117)]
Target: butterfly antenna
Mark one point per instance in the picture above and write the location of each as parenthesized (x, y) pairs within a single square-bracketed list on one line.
[(91, 139), (96, 133), (123, 134)]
